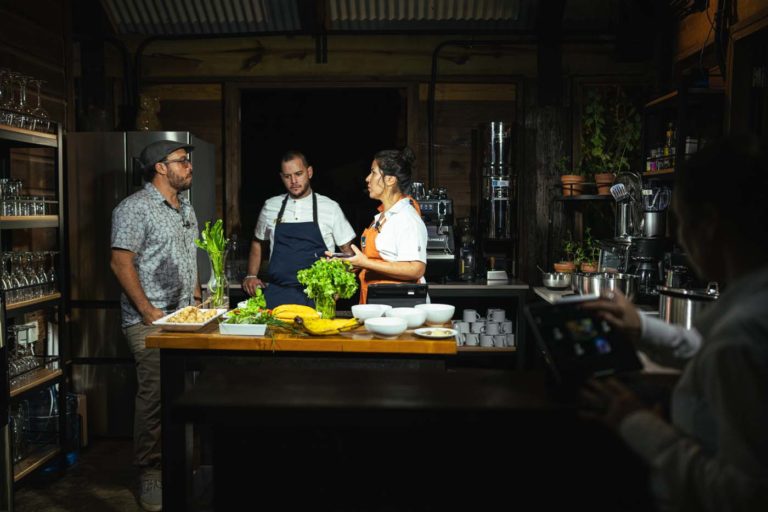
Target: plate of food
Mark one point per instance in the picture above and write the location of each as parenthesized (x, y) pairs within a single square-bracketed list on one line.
[(189, 318), (435, 333)]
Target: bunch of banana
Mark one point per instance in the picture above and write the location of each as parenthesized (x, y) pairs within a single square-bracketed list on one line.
[(327, 326), (288, 312)]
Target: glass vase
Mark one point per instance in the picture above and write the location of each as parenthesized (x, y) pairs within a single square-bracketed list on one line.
[(218, 284), (326, 306)]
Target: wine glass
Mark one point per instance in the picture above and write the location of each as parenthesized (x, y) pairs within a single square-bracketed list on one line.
[(52, 272), (41, 121), (23, 119)]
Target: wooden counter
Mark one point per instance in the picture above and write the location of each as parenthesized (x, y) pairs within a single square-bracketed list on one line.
[(356, 341)]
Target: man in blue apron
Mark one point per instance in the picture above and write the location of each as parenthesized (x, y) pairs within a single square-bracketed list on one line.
[(300, 226)]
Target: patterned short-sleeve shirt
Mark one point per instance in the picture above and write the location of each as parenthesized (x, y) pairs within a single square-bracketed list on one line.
[(163, 239)]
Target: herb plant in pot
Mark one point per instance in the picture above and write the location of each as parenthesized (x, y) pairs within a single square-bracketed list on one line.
[(573, 184), (590, 253), (326, 281), (610, 135), (568, 264)]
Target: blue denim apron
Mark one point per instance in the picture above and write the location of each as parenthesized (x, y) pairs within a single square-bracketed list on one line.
[(297, 245)]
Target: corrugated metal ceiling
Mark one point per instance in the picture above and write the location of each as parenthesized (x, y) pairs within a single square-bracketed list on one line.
[(423, 14), (189, 17)]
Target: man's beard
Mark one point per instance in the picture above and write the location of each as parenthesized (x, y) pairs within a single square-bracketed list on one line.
[(178, 182)]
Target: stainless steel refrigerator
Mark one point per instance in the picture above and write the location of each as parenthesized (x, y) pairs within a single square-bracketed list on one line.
[(102, 170)]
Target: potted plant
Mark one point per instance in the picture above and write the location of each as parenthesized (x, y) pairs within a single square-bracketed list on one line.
[(573, 183), (610, 135), (590, 253), (570, 249)]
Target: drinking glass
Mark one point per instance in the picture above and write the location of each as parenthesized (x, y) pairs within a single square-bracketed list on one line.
[(22, 119), (6, 96)]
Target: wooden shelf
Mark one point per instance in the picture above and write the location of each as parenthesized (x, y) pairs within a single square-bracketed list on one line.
[(14, 134), (34, 460), (29, 221), (659, 172), (33, 302), (585, 197), (34, 379)]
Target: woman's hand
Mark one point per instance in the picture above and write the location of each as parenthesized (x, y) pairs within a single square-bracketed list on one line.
[(618, 311), (359, 260)]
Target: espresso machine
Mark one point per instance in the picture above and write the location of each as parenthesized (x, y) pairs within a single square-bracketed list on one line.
[(437, 214)]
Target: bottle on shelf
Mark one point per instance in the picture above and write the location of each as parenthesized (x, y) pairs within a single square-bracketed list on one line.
[(467, 261)]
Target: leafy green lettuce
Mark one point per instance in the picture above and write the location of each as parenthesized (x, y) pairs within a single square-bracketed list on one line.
[(328, 279)]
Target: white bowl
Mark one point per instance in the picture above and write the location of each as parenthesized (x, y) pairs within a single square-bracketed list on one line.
[(386, 326), (413, 317), (437, 314), (365, 311)]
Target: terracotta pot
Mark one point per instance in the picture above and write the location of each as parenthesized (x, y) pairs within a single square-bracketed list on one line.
[(565, 266), (572, 185), (604, 180), (589, 266)]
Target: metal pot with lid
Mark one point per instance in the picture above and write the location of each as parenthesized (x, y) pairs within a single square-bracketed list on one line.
[(682, 305)]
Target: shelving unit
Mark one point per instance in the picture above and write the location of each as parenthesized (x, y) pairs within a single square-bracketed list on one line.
[(694, 112), (20, 389), (577, 204)]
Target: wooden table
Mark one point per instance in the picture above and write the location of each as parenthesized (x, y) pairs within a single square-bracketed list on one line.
[(185, 357)]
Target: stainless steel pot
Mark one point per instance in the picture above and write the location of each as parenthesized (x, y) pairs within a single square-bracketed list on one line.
[(681, 306), (556, 280), (602, 283)]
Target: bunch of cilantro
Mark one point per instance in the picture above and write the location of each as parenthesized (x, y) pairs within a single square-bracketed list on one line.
[(329, 279)]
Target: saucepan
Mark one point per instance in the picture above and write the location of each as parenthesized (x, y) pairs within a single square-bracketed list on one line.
[(600, 283)]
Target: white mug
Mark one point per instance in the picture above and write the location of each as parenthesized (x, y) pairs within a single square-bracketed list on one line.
[(470, 315), (510, 340), (492, 328), (500, 340), (486, 340), (477, 327), (506, 327), (460, 337), (497, 315), (461, 326), (472, 339)]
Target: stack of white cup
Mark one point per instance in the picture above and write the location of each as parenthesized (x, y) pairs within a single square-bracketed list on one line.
[(492, 330)]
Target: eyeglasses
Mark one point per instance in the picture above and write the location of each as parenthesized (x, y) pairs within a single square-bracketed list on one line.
[(183, 161)]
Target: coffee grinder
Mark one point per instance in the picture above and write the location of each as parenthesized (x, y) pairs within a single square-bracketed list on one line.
[(437, 214)]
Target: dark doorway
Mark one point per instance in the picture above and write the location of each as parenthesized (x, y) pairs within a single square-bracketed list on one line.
[(339, 130)]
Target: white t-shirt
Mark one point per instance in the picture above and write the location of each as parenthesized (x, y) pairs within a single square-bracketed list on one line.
[(334, 227), (403, 237)]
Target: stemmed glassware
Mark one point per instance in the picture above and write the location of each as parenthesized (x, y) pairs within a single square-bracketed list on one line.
[(15, 109), (41, 121), (26, 275)]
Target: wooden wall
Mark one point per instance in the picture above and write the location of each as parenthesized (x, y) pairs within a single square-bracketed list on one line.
[(475, 85)]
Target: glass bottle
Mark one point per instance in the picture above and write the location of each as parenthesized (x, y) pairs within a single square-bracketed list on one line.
[(467, 260)]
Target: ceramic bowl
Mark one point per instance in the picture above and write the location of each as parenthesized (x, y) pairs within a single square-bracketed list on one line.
[(365, 311), (437, 314), (413, 317), (386, 326)]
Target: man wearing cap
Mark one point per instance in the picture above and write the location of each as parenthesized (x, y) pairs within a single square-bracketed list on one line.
[(153, 257), (300, 226)]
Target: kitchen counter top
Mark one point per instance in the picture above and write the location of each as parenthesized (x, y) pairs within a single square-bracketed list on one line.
[(355, 341), (478, 284)]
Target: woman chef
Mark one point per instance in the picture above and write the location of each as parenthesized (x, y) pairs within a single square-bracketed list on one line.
[(393, 249)]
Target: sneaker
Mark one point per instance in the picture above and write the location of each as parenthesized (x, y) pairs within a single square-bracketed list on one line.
[(151, 494)]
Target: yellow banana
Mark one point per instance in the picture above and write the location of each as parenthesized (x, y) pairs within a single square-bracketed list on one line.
[(326, 326), (287, 312)]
